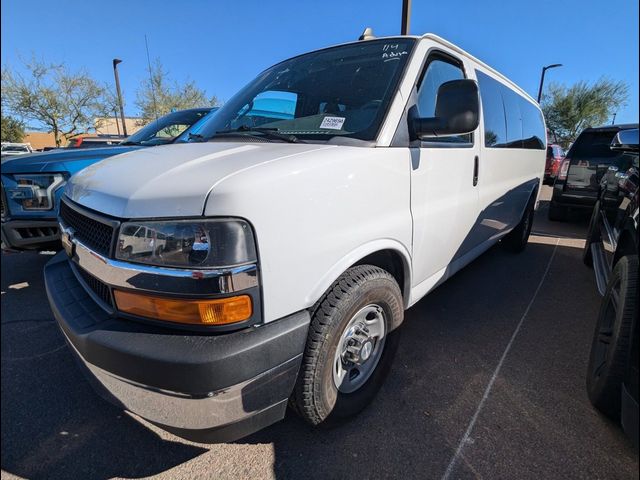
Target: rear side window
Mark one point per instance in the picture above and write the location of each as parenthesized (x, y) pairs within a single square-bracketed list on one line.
[(495, 125), (510, 121), (514, 118), (533, 130)]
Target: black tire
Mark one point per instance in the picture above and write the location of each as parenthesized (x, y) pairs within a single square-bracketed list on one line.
[(608, 361), (516, 240), (558, 213), (316, 398), (593, 235)]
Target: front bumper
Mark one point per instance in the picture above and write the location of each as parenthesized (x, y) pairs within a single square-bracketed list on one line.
[(207, 388), (31, 234)]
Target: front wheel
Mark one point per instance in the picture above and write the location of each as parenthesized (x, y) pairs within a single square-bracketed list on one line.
[(612, 337), (352, 340)]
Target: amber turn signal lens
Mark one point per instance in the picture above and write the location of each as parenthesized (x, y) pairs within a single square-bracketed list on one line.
[(218, 311)]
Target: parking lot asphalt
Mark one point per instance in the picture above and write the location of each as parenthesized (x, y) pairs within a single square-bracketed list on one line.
[(489, 382)]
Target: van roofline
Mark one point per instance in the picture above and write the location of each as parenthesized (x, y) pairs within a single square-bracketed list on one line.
[(448, 44)]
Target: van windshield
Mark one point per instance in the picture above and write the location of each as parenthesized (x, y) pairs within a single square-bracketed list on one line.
[(340, 91)]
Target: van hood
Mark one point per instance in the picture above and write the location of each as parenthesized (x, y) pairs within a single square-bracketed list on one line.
[(172, 180)]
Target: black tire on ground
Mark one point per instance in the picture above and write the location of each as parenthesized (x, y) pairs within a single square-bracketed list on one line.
[(516, 240), (316, 398), (592, 235), (557, 213), (612, 337)]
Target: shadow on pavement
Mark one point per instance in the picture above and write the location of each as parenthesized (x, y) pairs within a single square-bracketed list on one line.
[(53, 424)]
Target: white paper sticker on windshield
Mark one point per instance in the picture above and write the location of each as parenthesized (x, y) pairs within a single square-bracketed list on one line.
[(333, 123)]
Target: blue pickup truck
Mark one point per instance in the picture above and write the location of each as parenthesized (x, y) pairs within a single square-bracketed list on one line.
[(33, 184)]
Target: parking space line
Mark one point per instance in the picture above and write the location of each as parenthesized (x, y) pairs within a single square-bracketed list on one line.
[(496, 372)]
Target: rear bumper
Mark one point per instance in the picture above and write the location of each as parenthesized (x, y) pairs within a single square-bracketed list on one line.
[(573, 198), (206, 388), (31, 234)]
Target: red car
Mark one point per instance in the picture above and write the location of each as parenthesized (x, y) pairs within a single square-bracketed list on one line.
[(555, 156)]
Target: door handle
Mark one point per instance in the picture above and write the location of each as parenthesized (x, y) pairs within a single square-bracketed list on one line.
[(475, 171)]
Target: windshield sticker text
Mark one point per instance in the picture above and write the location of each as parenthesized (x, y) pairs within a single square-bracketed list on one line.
[(333, 123)]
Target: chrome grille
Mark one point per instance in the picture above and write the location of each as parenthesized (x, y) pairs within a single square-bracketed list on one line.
[(94, 234)]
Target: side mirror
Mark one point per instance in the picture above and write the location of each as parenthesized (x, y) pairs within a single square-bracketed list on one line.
[(457, 111), (625, 141)]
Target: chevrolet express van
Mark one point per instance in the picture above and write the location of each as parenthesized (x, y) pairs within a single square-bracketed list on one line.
[(328, 196)]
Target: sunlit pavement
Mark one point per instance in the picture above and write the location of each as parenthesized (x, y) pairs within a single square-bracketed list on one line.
[(489, 382)]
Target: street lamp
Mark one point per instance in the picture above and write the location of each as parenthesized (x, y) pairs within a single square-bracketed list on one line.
[(116, 61), (544, 70)]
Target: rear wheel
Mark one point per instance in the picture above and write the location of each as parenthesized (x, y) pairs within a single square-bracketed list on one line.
[(516, 240), (351, 344), (592, 235), (558, 213), (612, 337)]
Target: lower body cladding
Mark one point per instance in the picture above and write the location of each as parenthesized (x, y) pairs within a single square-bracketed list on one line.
[(31, 234), (206, 388)]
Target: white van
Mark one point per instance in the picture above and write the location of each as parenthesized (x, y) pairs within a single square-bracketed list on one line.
[(329, 195)]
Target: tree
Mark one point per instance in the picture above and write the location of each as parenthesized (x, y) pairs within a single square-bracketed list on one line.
[(66, 102), (12, 129), (159, 95), (569, 110)]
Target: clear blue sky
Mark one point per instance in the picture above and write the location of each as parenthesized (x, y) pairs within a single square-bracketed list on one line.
[(223, 44)]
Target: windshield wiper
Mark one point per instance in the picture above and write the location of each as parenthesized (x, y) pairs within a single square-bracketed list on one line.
[(266, 132), (196, 136)]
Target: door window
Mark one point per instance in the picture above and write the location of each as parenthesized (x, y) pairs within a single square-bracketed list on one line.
[(438, 71)]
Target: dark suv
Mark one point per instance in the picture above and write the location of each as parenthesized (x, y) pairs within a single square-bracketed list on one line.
[(612, 249), (578, 182)]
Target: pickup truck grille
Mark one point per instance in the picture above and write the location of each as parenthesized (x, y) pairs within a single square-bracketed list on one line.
[(93, 233)]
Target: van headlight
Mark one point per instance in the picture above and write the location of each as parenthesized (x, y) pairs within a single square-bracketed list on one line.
[(35, 191), (210, 243)]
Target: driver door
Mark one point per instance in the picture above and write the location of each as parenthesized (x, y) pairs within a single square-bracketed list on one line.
[(444, 193)]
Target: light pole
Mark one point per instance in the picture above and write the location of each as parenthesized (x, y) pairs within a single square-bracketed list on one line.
[(613, 121), (406, 17), (116, 61), (544, 70)]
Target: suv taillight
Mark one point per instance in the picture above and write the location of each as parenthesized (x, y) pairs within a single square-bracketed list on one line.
[(564, 169)]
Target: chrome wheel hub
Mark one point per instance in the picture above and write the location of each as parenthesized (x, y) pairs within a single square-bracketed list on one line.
[(359, 348)]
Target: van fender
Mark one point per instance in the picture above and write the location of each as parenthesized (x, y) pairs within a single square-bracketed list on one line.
[(355, 255)]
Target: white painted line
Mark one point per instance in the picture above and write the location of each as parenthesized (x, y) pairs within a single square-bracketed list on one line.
[(466, 438)]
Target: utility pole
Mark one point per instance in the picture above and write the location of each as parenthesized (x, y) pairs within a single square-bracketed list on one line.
[(116, 61), (406, 17), (115, 117), (544, 70)]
